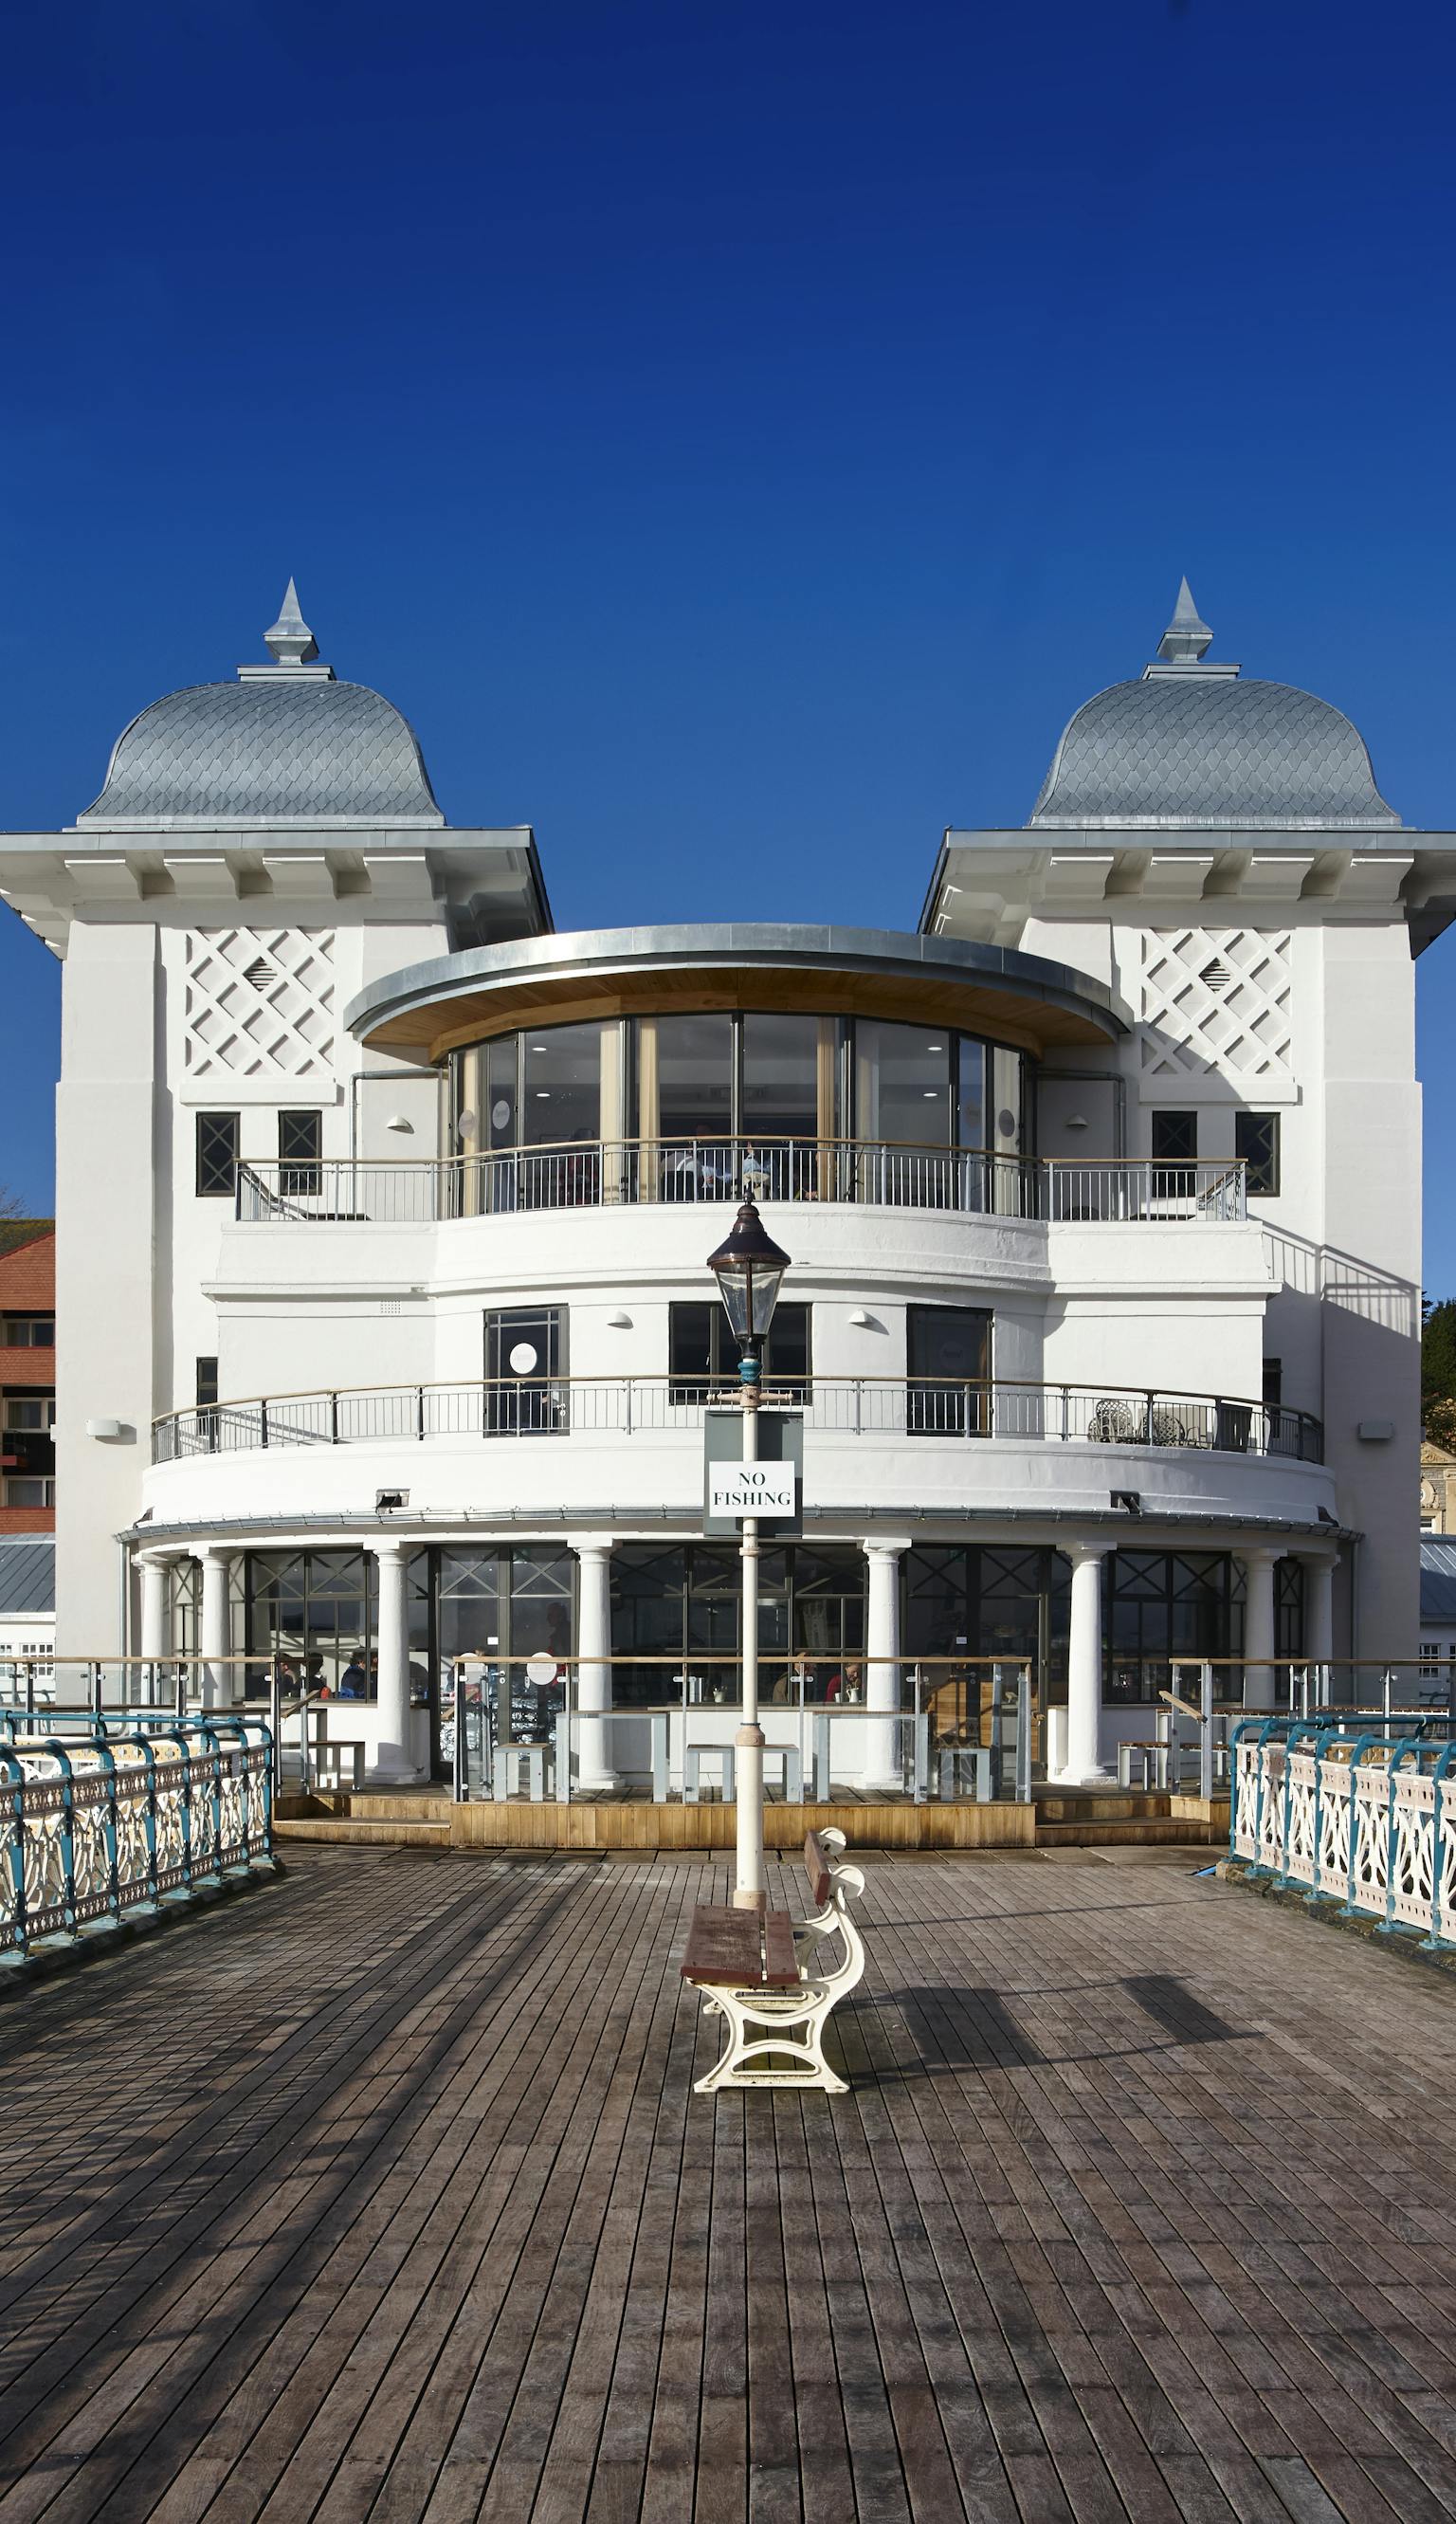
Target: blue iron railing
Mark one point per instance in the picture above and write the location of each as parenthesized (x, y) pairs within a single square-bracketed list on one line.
[(1359, 1812), (103, 1827)]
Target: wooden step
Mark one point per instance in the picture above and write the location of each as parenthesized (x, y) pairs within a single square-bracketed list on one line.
[(1131, 1835), (1095, 1806), (354, 1830)]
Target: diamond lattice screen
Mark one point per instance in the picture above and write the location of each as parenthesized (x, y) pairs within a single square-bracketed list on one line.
[(1215, 1000), (259, 1003)]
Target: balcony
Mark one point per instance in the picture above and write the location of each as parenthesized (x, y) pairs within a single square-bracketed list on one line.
[(1092, 1416), (616, 1173)]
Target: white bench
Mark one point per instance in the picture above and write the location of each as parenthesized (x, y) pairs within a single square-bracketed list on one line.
[(767, 1970)]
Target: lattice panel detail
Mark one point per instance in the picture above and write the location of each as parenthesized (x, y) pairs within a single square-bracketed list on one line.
[(259, 1003), (1215, 1000)]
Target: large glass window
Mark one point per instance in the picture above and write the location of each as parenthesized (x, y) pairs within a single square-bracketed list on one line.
[(678, 1609), (1164, 1605), (700, 1082), (702, 1352), (561, 1084), (788, 1086), (311, 1613), (903, 1084), (973, 1614), (685, 1078), (948, 1359)]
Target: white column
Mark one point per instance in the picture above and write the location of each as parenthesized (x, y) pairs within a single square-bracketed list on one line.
[(882, 1767), (216, 1676), (1258, 1624), (1319, 1606), (1084, 1762), (394, 1755), (593, 1693), (155, 1568)]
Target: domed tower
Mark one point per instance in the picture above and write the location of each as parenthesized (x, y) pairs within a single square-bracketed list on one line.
[(1214, 847), (261, 849), (284, 745), (1193, 743)]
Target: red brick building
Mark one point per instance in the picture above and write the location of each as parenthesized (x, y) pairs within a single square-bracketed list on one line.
[(27, 1376)]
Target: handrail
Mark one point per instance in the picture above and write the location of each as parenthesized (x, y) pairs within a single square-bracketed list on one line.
[(975, 1408), (668, 1170)]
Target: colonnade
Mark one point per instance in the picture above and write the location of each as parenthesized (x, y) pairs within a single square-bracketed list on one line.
[(394, 1757)]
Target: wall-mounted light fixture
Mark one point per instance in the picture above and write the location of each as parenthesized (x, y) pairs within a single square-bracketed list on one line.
[(400, 1122), (1075, 1122), (619, 1322)]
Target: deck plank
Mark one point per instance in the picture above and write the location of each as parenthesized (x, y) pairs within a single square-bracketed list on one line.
[(388, 2197)]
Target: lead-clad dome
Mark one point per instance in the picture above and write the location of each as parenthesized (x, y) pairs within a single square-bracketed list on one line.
[(286, 744), (1193, 744)]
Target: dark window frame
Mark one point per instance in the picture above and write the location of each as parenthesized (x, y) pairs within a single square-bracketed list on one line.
[(27, 1321), (1261, 1168), (939, 1405), (538, 1404), (218, 1173), (300, 1151), (697, 1368)]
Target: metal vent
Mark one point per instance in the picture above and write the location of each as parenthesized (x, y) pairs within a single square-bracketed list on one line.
[(1215, 976), (260, 973)]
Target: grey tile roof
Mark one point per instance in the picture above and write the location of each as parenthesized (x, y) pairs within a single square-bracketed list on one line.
[(268, 750), (27, 1575), (1210, 749), (1437, 1579)]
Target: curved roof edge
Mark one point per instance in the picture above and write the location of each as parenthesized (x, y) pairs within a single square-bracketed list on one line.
[(736, 945)]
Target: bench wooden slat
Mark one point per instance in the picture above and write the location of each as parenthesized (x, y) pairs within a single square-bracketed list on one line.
[(731, 1949), (817, 1868), (724, 1946), (780, 1962)]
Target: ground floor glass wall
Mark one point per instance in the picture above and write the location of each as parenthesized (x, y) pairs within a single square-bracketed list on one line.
[(502, 1622)]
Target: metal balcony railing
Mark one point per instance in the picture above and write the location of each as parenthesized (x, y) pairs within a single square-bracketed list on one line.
[(854, 1406), (666, 1173)]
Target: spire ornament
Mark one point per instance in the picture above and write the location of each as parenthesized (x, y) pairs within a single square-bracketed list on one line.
[(292, 642), (291, 645), (1187, 637)]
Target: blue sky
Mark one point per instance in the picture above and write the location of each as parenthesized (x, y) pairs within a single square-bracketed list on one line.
[(737, 437)]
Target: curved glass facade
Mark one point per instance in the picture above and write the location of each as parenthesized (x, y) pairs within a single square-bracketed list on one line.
[(758, 1076)]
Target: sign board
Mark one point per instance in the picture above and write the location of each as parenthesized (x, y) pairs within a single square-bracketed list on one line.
[(752, 1489), (780, 1453)]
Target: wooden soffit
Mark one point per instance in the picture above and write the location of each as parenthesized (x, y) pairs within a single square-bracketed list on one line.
[(1008, 1015)]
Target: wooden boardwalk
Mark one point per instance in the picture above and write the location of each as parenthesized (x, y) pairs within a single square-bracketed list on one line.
[(384, 2195)]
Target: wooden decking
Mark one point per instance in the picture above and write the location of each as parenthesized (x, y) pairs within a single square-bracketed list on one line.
[(384, 2195)]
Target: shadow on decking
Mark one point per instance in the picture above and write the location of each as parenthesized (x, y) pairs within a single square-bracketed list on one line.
[(974, 2027)]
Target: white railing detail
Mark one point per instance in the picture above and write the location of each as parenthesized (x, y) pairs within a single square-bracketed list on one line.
[(1364, 1818)]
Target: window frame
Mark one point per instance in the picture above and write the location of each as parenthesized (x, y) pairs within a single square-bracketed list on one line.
[(299, 1172), (219, 1191), (24, 1322), (1270, 1165), (691, 1384)]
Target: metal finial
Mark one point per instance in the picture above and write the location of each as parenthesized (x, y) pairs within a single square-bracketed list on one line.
[(1188, 635), (291, 641)]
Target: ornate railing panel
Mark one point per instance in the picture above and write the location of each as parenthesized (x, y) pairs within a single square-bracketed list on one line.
[(606, 1174), (96, 1829), (855, 1406), (1360, 1817)]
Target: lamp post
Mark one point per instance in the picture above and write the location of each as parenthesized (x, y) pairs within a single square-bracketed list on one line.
[(749, 1269)]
